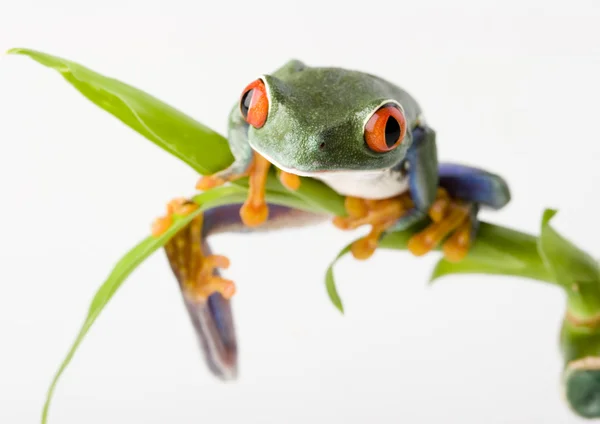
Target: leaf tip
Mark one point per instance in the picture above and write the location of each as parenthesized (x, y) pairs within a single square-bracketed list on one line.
[(548, 215), (15, 50), (334, 297), (332, 292), (432, 278), (438, 272)]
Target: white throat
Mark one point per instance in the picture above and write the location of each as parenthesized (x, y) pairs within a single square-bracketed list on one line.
[(379, 184), (371, 184)]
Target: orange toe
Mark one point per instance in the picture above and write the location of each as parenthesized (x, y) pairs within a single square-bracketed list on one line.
[(161, 225), (254, 215), (289, 181), (208, 182), (363, 248), (356, 207), (457, 246), (178, 206), (418, 245)]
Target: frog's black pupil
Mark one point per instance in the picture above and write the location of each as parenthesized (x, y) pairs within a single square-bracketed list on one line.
[(246, 99), (392, 131)]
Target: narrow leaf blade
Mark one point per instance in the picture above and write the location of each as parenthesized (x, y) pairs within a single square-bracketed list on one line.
[(330, 281), (129, 263), (203, 149), (567, 262), (116, 278), (498, 251)]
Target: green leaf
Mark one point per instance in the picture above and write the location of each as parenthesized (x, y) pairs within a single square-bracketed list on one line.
[(321, 197), (498, 251), (330, 281), (575, 270), (566, 261), (203, 149), (129, 262)]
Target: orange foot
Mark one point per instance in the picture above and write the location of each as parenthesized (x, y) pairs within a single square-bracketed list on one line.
[(448, 216), (195, 271), (451, 218), (178, 206), (380, 214), (254, 211)]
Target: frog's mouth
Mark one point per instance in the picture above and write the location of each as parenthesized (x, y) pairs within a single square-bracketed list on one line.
[(288, 169), (319, 174), (291, 170)]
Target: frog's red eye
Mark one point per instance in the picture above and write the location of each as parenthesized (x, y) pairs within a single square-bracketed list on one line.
[(254, 104), (386, 129)]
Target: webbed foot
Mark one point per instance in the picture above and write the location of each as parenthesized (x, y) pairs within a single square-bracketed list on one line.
[(254, 211), (380, 214), (194, 269), (184, 249), (452, 222), (178, 206), (452, 219)]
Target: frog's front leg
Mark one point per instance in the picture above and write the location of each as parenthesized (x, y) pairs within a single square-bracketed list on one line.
[(419, 168), (462, 191), (247, 163), (450, 195), (380, 214), (453, 220)]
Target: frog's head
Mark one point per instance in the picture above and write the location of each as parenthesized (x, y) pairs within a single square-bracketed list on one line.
[(325, 119)]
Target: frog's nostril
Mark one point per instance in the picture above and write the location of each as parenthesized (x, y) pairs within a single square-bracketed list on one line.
[(318, 143)]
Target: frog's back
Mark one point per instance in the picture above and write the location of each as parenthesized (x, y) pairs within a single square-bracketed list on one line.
[(332, 85)]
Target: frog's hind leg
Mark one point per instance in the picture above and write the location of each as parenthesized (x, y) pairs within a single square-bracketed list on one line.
[(474, 185), (463, 190), (206, 293)]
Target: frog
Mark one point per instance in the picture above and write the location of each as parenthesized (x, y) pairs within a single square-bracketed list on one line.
[(361, 135)]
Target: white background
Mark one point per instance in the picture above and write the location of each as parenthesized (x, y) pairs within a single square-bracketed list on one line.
[(509, 86)]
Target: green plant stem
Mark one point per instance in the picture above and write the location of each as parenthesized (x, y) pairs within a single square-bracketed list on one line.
[(496, 251), (503, 251), (581, 377)]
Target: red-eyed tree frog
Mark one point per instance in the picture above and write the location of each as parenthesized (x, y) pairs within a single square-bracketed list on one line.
[(364, 137)]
